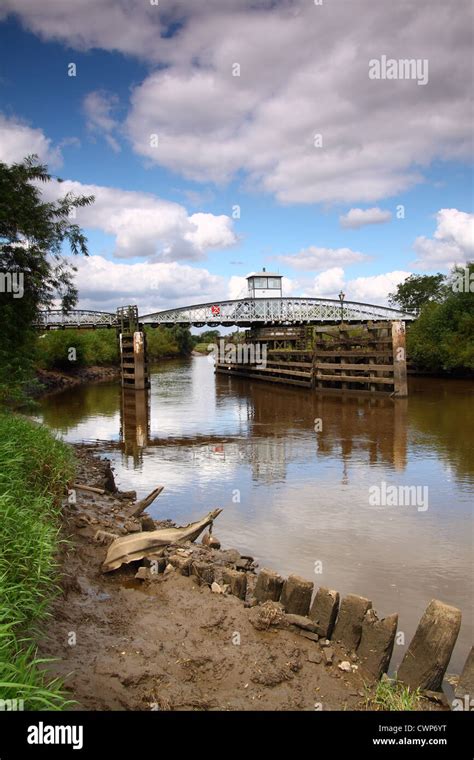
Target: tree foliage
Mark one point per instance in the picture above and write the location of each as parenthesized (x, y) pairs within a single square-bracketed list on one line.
[(442, 338), (418, 290), (33, 235)]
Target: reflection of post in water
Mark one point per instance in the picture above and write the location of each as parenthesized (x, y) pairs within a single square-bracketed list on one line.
[(400, 426), (135, 422), (373, 426)]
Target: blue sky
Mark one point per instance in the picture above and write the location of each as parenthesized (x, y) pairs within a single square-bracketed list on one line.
[(163, 230)]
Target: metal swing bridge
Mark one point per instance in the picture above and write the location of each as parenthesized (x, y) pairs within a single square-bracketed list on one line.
[(241, 313)]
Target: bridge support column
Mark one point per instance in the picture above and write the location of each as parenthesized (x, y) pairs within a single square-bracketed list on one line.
[(133, 353), (400, 386)]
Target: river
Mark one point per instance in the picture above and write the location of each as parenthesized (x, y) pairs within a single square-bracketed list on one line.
[(295, 493)]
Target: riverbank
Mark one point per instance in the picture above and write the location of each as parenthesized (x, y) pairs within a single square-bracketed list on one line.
[(51, 381), (166, 640), (33, 470)]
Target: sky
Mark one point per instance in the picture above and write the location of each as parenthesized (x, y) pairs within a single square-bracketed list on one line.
[(222, 136)]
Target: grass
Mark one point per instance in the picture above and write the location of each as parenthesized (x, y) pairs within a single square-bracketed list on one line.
[(33, 470), (393, 696)]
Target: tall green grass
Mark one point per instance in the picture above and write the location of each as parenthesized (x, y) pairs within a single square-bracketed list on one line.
[(33, 470)]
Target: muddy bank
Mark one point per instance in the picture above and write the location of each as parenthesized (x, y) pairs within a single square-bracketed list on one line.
[(52, 381), (169, 642)]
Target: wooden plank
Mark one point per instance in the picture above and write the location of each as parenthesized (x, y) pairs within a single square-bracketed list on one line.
[(262, 369), (265, 378), (356, 379), (362, 367)]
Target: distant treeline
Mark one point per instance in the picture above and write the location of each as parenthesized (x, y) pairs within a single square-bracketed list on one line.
[(100, 347)]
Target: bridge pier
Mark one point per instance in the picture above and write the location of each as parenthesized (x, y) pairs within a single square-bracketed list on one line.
[(133, 350)]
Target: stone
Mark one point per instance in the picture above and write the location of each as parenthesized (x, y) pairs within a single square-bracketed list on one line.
[(300, 622), (376, 643), (143, 574), (315, 657), (236, 581), (345, 666), (328, 655), (268, 587), (324, 611), (348, 628), (466, 681), (296, 595), (203, 571), (244, 563), (216, 589), (429, 652), (181, 563), (266, 615), (104, 537), (147, 523), (306, 634)]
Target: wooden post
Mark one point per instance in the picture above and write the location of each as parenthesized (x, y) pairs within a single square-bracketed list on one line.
[(399, 360)]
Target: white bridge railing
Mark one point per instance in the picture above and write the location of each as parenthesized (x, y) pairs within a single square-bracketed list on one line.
[(244, 312)]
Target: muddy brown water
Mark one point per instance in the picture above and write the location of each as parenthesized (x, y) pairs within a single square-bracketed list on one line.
[(296, 498)]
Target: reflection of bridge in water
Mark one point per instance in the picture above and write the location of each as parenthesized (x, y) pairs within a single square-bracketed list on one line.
[(369, 430)]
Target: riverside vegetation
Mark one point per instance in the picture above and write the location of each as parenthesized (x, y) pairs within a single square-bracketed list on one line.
[(34, 468)]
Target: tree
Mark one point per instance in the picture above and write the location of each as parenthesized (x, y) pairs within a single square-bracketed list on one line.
[(33, 269), (442, 338), (417, 290)]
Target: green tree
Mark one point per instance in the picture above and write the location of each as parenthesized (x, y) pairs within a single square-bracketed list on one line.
[(442, 338), (33, 270), (417, 290)]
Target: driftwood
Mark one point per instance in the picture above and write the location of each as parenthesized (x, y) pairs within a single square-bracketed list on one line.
[(141, 505), (80, 487), (131, 548)]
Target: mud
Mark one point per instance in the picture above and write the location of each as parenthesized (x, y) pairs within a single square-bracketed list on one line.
[(168, 643), (52, 381)]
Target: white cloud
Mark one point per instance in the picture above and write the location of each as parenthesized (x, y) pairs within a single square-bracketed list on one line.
[(105, 284), (375, 288), (327, 284), (146, 226), (358, 217), (304, 70), (371, 289), (316, 258), (98, 108), (452, 243), (18, 140)]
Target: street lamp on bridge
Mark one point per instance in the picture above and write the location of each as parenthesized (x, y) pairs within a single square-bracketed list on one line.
[(341, 298)]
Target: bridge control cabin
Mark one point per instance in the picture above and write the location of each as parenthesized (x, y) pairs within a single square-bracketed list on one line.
[(264, 284)]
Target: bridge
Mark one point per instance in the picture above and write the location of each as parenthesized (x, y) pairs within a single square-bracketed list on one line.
[(241, 313)]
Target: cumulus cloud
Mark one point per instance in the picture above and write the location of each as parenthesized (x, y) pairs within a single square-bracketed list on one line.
[(98, 108), (18, 140), (371, 289), (146, 226), (309, 77), (316, 258), (105, 284), (452, 242), (358, 217)]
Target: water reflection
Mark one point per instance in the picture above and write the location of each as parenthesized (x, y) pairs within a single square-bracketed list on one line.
[(293, 495)]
